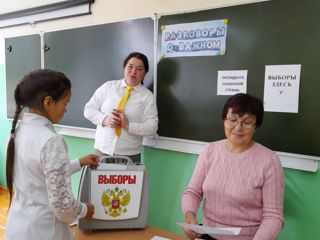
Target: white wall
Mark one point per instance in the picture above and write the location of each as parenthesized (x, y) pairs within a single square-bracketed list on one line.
[(105, 11), (15, 5)]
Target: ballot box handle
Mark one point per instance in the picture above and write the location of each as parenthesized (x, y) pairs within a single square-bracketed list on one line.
[(116, 159)]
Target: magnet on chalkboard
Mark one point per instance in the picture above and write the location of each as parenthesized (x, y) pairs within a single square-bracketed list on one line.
[(46, 48), (9, 48)]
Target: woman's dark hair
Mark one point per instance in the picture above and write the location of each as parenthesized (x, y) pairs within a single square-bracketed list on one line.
[(31, 92), (242, 104), (140, 56)]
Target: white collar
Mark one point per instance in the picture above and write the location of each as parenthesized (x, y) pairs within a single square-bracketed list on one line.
[(36, 119), (124, 85)]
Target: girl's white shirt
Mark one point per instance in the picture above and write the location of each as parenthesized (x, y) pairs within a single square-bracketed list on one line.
[(43, 204)]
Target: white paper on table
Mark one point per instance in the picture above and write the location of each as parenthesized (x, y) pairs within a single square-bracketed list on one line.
[(159, 238), (210, 230)]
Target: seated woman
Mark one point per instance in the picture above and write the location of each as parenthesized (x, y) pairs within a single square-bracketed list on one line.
[(240, 181)]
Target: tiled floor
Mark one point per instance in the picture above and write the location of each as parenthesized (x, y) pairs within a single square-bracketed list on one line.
[(4, 203)]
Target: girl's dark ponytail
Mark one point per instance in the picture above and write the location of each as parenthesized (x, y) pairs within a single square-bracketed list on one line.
[(10, 153), (30, 92)]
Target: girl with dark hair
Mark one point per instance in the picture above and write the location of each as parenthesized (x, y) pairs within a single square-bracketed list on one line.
[(37, 162), (122, 124)]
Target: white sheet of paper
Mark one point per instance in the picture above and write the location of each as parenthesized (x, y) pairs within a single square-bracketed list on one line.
[(159, 238), (210, 230), (232, 82), (281, 88)]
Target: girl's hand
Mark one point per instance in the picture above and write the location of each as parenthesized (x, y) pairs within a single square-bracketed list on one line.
[(90, 160), (90, 211)]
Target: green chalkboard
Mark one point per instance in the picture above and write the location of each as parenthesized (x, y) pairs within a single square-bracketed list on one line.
[(277, 32), (92, 55), (22, 55)]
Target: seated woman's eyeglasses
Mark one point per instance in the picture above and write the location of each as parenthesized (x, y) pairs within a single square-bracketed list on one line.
[(234, 122)]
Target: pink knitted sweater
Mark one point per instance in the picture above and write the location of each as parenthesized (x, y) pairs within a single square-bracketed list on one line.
[(239, 190)]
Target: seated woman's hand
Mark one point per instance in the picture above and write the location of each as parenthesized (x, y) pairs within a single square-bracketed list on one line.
[(90, 160), (190, 218)]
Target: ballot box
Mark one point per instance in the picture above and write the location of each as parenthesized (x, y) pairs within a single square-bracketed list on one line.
[(119, 191)]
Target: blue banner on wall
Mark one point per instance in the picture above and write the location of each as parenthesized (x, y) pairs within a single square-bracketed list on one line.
[(206, 38)]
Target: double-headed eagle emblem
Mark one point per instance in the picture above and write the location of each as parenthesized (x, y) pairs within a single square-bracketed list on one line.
[(115, 201)]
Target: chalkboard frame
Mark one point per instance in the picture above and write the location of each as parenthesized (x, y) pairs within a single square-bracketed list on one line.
[(267, 20)]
